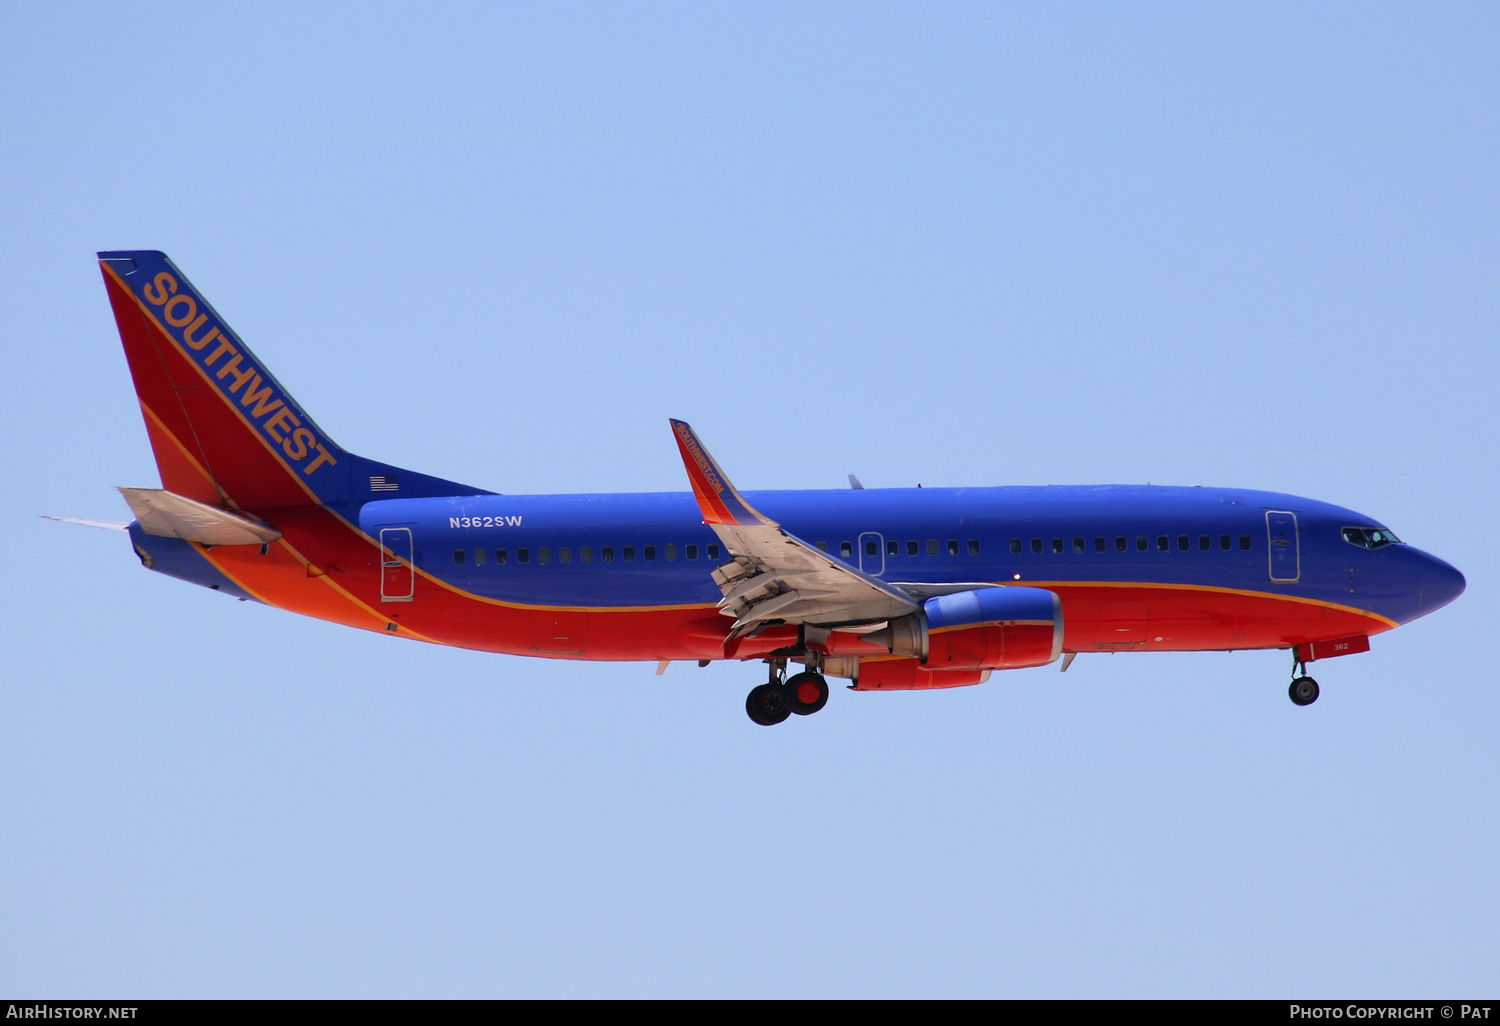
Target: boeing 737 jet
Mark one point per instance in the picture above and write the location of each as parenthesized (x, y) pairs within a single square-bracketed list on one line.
[(890, 589)]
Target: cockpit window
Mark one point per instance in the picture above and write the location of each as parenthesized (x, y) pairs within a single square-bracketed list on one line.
[(1370, 537)]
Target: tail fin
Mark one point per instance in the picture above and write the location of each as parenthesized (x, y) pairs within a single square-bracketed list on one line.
[(223, 429)]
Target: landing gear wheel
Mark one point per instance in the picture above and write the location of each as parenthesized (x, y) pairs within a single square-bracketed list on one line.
[(767, 705), (1304, 691), (806, 693)]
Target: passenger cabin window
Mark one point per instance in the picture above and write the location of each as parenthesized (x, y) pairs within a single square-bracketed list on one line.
[(892, 548), (872, 548), (649, 551), (1142, 543), (932, 546), (1225, 542), (691, 551), (523, 555), (1078, 545), (1015, 546), (1184, 543), (628, 552), (671, 553), (458, 557), (501, 557), (480, 557), (1099, 545), (1121, 544), (913, 548), (544, 555), (1369, 537), (1036, 546), (952, 546), (713, 552), (1205, 542), (1245, 542), (565, 555), (1057, 545), (821, 545), (846, 549), (607, 554), (1162, 543), (973, 546), (586, 554)]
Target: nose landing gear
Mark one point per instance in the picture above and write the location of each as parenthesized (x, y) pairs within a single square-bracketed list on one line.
[(774, 701), (1304, 690)]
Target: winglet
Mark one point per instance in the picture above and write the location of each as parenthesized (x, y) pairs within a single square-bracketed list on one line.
[(717, 498)]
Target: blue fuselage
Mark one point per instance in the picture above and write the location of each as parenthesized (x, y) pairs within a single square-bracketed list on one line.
[(652, 549)]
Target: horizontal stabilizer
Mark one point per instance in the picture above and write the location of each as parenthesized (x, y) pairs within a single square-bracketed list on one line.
[(168, 515), (108, 525)]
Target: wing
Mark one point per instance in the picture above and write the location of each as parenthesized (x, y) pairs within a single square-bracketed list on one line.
[(775, 577)]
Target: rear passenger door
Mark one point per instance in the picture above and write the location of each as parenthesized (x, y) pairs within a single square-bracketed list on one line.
[(397, 579)]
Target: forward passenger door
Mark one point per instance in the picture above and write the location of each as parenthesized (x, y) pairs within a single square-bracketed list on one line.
[(1285, 558)]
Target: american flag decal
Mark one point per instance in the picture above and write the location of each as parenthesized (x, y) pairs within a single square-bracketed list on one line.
[(384, 483)]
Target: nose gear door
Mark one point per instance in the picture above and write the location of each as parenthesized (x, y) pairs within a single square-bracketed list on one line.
[(1286, 560), (397, 578)]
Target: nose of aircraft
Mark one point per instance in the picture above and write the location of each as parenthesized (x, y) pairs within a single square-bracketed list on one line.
[(1439, 583)]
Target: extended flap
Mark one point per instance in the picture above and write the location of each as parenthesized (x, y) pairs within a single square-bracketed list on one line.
[(168, 515)]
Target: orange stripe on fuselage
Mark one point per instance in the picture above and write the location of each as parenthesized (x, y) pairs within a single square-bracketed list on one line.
[(1210, 589)]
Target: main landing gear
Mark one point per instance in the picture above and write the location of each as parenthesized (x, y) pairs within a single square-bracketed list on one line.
[(802, 693), (1304, 690)]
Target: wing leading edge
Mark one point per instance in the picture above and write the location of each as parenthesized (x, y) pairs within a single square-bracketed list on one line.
[(774, 576)]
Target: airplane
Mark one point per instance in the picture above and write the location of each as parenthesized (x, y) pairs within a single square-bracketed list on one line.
[(890, 589)]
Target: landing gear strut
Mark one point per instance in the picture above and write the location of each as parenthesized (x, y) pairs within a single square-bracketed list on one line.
[(775, 700), (1304, 690)]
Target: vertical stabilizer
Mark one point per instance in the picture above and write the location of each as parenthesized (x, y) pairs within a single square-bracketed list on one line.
[(223, 429)]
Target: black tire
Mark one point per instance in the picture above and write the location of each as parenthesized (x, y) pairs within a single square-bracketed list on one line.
[(1304, 691), (767, 705), (806, 693)]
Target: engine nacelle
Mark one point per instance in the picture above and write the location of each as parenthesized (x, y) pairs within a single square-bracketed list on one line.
[(983, 629), (906, 675)]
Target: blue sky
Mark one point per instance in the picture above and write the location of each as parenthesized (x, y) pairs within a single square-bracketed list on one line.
[(975, 244)]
